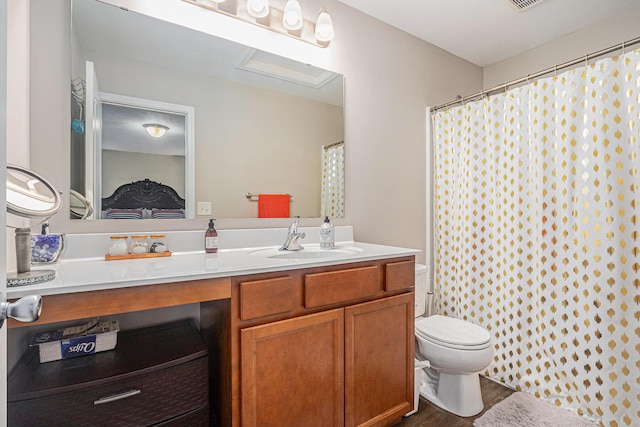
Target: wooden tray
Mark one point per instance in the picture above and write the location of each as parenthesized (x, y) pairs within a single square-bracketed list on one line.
[(137, 256)]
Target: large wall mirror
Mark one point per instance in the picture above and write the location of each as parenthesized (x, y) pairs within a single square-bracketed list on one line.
[(180, 116)]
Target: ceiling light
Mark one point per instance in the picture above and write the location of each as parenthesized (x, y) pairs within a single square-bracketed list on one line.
[(292, 17), (155, 130), (324, 27), (258, 8)]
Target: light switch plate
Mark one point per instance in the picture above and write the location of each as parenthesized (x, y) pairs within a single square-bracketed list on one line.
[(204, 208)]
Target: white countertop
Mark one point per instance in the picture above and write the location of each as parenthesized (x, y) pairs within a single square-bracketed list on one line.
[(90, 274)]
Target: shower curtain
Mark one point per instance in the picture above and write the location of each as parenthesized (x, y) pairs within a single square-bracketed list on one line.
[(332, 195), (537, 234)]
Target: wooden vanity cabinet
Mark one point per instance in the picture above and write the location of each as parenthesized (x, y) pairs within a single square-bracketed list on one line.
[(330, 346), (323, 346), (379, 360), (292, 371)]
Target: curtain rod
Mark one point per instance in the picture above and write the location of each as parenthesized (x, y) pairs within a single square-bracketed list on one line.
[(335, 144), (503, 87)]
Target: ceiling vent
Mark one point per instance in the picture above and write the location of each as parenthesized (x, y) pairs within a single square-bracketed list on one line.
[(524, 4)]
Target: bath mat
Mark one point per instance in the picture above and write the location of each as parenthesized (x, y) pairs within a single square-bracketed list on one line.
[(523, 410)]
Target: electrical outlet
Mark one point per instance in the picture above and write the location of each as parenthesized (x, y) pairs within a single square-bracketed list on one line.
[(204, 208)]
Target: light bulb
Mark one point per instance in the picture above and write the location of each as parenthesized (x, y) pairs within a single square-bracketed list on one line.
[(258, 8), (155, 130), (324, 27), (292, 18)]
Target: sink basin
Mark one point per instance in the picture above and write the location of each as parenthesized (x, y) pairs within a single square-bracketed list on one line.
[(308, 253)]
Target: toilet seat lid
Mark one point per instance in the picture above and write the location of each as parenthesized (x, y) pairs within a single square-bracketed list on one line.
[(451, 332)]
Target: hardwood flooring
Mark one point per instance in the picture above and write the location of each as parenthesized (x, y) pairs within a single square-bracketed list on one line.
[(429, 415)]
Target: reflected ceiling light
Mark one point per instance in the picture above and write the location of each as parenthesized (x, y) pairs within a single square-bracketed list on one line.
[(155, 130), (324, 27), (258, 8), (292, 17)]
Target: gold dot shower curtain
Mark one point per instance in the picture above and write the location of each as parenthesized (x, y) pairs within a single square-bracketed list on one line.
[(537, 234), (332, 194)]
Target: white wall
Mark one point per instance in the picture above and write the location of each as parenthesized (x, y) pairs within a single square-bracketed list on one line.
[(575, 45), (391, 78)]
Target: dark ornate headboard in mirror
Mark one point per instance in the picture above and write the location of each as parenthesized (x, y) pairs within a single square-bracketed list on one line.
[(143, 199)]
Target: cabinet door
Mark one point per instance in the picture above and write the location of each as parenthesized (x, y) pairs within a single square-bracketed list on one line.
[(292, 372), (379, 361)]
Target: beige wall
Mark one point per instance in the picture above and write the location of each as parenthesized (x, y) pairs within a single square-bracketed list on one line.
[(575, 45), (119, 167), (391, 79)]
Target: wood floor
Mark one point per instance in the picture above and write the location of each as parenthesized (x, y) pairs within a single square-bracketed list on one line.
[(429, 415)]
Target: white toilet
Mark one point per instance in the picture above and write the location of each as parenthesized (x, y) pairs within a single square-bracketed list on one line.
[(452, 352)]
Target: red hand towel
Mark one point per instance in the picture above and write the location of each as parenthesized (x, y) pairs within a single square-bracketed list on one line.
[(273, 205)]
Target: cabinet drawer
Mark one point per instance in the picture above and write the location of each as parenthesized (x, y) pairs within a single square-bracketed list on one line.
[(137, 401), (341, 286), (260, 298), (197, 418), (399, 275)]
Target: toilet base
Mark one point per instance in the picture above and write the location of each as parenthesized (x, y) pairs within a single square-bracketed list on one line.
[(458, 394)]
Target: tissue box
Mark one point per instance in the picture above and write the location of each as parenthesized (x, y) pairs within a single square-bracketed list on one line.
[(90, 338)]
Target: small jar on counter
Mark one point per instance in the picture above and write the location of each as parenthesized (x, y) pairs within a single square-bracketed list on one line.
[(118, 245), (139, 244), (158, 244)]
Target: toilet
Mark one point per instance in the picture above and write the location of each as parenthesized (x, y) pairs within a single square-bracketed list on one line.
[(450, 353)]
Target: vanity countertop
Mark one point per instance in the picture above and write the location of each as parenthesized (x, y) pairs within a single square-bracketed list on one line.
[(91, 274)]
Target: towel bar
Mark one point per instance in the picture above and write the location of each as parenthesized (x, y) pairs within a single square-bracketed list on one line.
[(254, 197)]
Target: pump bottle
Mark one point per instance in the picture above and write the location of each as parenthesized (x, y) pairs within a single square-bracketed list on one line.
[(211, 239), (327, 234)]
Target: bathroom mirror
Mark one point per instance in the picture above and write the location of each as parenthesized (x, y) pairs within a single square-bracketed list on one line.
[(260, 123)]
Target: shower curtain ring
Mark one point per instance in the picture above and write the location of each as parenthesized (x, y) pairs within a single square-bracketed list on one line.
[(586, 60), (555, 70), (623, 46)]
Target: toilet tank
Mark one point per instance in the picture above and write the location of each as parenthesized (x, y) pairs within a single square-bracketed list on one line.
[(421, 289)]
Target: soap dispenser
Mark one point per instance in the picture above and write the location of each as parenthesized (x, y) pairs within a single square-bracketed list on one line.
[(327, 235), (211, 239)]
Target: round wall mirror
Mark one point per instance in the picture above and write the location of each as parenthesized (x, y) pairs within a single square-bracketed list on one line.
[(29, 195)]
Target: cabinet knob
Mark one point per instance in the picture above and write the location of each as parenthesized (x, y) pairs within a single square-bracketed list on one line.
[(26, 309)]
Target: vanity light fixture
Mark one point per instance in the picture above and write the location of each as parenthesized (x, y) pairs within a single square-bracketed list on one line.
[(289, 21), (258, 8), (155, 130), (324, 27), (292, 17)]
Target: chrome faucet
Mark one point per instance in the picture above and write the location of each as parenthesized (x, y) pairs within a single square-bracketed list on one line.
[(292, 242)]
